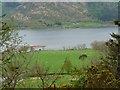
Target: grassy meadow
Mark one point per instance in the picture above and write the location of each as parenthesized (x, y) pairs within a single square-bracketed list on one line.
[(54, 60)]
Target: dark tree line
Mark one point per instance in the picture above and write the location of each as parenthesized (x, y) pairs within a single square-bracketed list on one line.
[(105, 11)]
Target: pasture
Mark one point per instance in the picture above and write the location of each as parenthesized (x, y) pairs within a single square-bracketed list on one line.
[(54, 59)]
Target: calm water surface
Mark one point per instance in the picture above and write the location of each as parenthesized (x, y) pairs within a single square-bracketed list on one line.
[(56, 39)]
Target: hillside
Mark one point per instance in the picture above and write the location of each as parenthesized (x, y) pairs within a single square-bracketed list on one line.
[(60, 14)]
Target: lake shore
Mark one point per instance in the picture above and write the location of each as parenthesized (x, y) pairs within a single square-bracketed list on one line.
[(71, 26)]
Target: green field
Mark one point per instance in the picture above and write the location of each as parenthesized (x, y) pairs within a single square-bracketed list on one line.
[(64, 79), (54, 59)]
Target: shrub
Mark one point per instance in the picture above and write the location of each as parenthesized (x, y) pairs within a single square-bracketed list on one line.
[(78, 80), (99, 45), (100, 77), (67, 66)]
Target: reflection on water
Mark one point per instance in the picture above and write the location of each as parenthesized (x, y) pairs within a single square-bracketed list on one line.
[(56, 39)]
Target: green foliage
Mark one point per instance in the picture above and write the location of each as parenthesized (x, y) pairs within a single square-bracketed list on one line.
[(113, 45), (114, 52), (13, 72), (13, 69), (78, 80), (100, 77), (105, 11), (8, 42), (107, 73)]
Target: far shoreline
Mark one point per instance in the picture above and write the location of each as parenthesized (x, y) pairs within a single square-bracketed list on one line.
[(53, 28), (70, 26)]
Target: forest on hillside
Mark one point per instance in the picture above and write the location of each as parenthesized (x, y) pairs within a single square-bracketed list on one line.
[(60, 14)]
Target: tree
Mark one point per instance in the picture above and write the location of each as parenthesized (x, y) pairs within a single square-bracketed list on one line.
[(8, 43), (14, 72), (47, 79), (67, 66), (42, 74), (105, 11), (11, 66), (114, 52)]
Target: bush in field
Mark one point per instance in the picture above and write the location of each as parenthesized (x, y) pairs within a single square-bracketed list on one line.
[(67, 66), (99, 45)]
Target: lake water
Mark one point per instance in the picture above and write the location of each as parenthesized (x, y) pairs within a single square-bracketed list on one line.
[(59, 38)]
